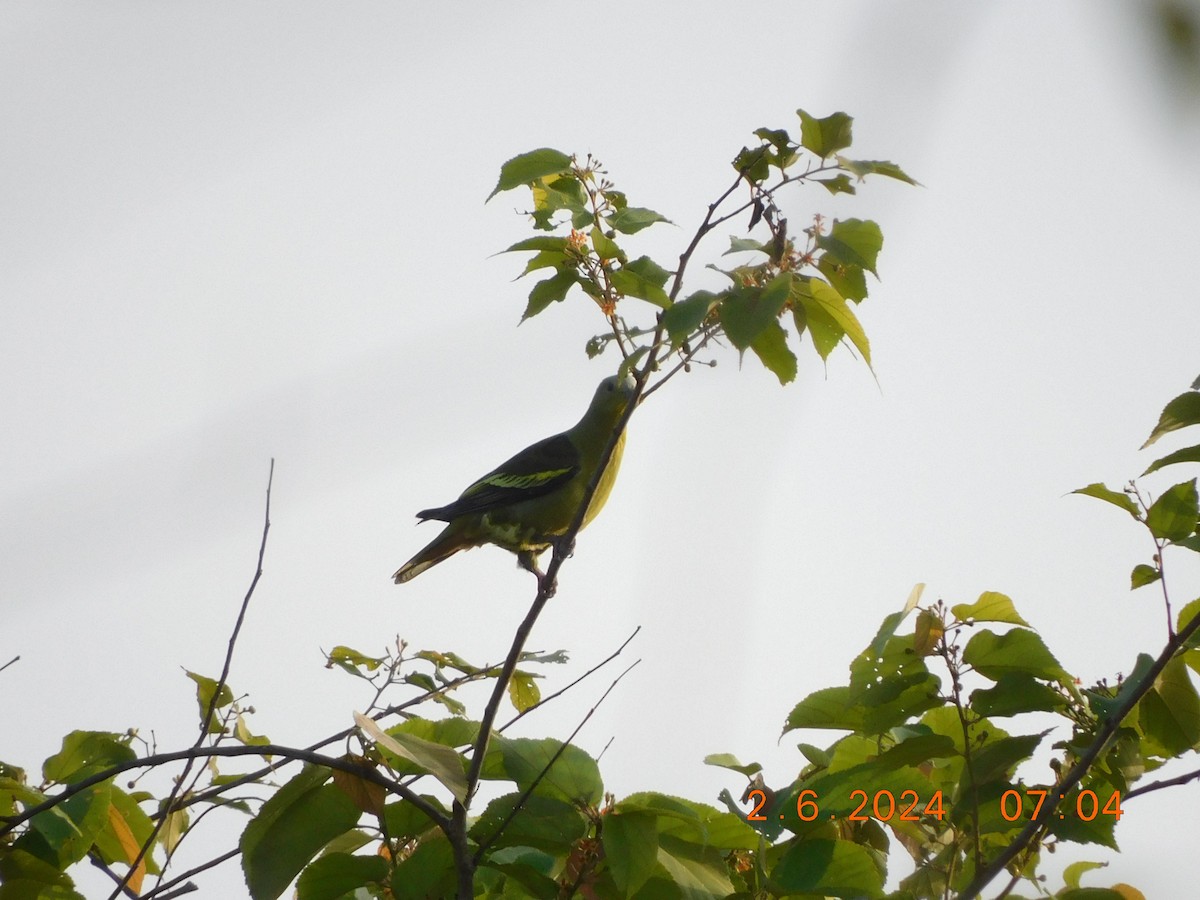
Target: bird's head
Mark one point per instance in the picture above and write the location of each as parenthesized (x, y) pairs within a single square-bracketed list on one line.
[(612, 396)]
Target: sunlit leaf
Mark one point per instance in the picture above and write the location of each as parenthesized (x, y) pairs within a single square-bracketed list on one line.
[(1173, 516), (824, 137), (530, 166), (1108, 495), (990, 607), (1181, 412)]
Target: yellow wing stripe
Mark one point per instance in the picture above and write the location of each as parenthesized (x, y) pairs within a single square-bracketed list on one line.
[(518, 482)]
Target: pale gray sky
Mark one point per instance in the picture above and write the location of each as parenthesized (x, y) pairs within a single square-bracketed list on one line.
[(233, 232)]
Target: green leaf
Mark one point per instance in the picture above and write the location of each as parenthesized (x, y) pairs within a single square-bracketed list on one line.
[(1075, 871), (69, 829), (1015, 694), (754, 164), (743, 245), (1184, 619), (861, 168), (829, 318), (990, 607), (729, 761), (1143, 575), (428, 873), (1170, 711), (291, 828), (1016, 652), (351, 660), (405, 821), (685, 316), (527, 873), (440, 761), (748, 310), (85, 753), (1185, 455), (546, 242), (528, 167), (829, 869), (848, 280), (771, 347), (853, 242), (547, 823), (606, 247), (549, 290), (336, 874), (838, 184), (776, 137), (997, 758), (1181, 412), (574, 776), (834, 707), (824, 137), (1173, 516), (23, 876), (631, 849), (1108, 495), (694, 873), (642, 278), (523, 691), (633, 219), (205, 688)]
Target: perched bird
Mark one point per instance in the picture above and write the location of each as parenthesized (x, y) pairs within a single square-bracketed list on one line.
[(528, 501)]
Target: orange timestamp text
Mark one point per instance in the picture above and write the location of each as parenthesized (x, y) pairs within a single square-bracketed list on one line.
[(884, 806)]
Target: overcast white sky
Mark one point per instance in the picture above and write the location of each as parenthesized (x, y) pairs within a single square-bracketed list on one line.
[(231, 232)]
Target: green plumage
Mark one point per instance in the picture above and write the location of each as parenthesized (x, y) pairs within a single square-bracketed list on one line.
[(530, 499)]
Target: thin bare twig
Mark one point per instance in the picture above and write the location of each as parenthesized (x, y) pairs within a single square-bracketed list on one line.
[(560, 692), (483, 845), (169, 805), (10, 662)]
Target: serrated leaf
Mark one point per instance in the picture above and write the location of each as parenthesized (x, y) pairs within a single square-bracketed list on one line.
[(743, 245), (1143, 575), (529, 167), (606, 247), (1108, 495), (833, 707), (1184, 455), (861, 168), (1015, 694), (746, 311), (1181, 412), (1170, 711), (438, 760), (683, 317), (336, 875), (559, 770), (642, 278), (829, 869), (1173, 516), (991, 606), (291, 828), (84, 753), (630, 849), (854, 242), (549, 290), (824, 137), (1016, 652), (632, 219), (771, 348), (829, 318), (548, 242)]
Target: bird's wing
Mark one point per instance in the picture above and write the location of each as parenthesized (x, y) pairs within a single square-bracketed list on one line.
[(534, 472)]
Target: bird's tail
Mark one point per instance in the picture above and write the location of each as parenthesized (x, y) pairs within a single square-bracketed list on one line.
[(441, 547)]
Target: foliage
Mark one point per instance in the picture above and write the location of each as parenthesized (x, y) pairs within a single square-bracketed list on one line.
[(964, 741)]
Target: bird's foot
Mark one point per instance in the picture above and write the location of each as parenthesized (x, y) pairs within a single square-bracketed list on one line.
[(527, 560)]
